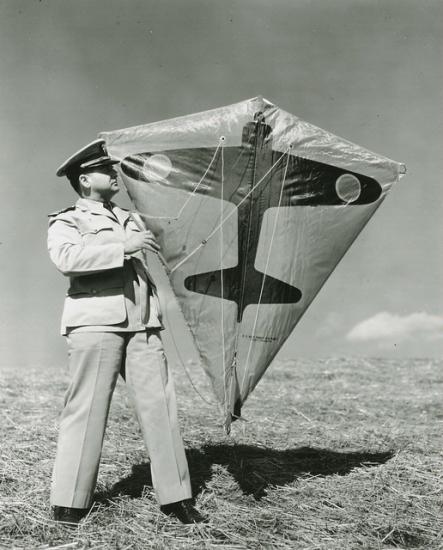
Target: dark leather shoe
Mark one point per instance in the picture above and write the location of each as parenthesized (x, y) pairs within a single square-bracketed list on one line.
[(183, 511), (69, 516)]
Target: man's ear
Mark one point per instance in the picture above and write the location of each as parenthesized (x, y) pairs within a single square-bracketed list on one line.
[(84, 182)]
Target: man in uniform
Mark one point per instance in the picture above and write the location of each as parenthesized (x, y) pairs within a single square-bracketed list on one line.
[(112, 324)]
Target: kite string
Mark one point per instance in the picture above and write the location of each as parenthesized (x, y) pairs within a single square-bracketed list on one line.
[(233, 211), (265, 270), (171, 332), (193, 192), (188, 375)]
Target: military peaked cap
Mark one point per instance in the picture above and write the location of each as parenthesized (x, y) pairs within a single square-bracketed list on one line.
[(89, 157)]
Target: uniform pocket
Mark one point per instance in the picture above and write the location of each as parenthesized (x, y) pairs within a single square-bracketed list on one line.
[(98, 227)]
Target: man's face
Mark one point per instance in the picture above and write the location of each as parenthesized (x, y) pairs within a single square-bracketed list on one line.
[(102, 183)]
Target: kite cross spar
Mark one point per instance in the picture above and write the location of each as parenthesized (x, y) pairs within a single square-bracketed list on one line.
[(253, 208)]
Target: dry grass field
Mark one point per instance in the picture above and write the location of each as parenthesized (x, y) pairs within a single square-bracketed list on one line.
[(336, 454)]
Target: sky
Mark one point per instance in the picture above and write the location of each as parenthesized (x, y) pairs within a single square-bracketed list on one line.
[(367, 70)]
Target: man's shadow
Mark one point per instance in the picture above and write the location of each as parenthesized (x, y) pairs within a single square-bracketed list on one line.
[(254, 468)]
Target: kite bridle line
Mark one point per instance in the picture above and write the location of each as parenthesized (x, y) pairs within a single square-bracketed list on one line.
[(221, 145), (217, 228), (222, 324), (266, 269), (193, 192)]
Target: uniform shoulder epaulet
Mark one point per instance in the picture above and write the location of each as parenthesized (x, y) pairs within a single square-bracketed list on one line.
[(53, 214)]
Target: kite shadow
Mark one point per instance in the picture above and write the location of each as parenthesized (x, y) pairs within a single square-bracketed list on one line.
[(257, 468), (253, 468)]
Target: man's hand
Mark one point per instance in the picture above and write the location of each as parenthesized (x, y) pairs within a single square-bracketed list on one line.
[(141, 241)]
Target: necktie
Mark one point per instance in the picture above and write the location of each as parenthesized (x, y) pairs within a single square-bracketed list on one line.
[(108, 207)]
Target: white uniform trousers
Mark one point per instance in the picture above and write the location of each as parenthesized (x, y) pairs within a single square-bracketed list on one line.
[(95, 360)]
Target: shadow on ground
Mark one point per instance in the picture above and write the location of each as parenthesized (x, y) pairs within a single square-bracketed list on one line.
[(254, 468)]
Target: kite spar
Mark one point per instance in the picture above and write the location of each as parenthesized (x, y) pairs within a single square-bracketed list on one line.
[(253, 208)]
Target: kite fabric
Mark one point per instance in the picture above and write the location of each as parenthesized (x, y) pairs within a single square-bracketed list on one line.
[(253, 208)]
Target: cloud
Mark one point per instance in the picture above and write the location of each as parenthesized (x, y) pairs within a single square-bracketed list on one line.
[(385, 326)]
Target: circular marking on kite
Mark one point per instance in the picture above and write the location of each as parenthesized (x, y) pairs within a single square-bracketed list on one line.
[(348, 187), (157, 167)]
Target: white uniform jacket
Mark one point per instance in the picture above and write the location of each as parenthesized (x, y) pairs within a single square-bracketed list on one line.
[(86, 243)]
